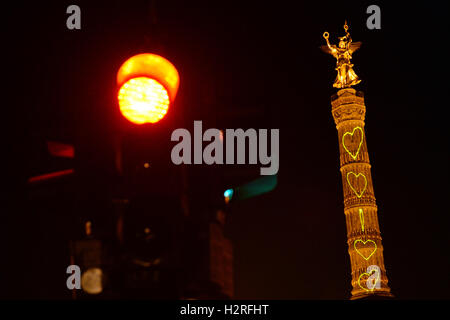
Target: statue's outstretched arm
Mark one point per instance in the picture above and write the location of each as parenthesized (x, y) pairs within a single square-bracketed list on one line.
[(330, 46)]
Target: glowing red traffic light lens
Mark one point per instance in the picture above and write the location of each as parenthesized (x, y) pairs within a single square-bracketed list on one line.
[(143, 100), (148, 85)]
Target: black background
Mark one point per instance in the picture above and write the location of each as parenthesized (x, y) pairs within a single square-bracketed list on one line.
[(290, 243)]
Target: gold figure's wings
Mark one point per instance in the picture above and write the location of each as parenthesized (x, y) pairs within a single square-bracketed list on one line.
[(354, 46)]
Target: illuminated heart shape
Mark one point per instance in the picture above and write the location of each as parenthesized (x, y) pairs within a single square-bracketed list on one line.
[(351, 139), (359, 195), (368, 275), (367, 249)]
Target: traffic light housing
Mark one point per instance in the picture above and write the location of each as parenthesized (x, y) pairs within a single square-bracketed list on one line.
[(148, 84)]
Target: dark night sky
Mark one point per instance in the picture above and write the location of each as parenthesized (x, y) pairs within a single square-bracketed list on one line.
[(290, 243)]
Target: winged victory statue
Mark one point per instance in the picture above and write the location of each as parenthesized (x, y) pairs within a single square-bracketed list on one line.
[(346, 77)]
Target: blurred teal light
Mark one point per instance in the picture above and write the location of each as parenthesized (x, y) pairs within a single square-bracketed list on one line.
[(228, 193)]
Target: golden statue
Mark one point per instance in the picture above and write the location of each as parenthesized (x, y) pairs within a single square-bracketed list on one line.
[(346, 77)]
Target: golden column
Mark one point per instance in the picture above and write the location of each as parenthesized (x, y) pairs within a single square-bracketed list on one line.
[(363, 232)]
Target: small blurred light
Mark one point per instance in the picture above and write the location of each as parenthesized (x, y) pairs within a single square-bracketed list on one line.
[(147, 230), (91, 281), (58, 149), (49, 176), (88, 228), (146, 165), (228, 194)]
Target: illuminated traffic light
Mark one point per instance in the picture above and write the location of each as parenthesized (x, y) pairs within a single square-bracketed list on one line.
[(143, 100), (148, 84)]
